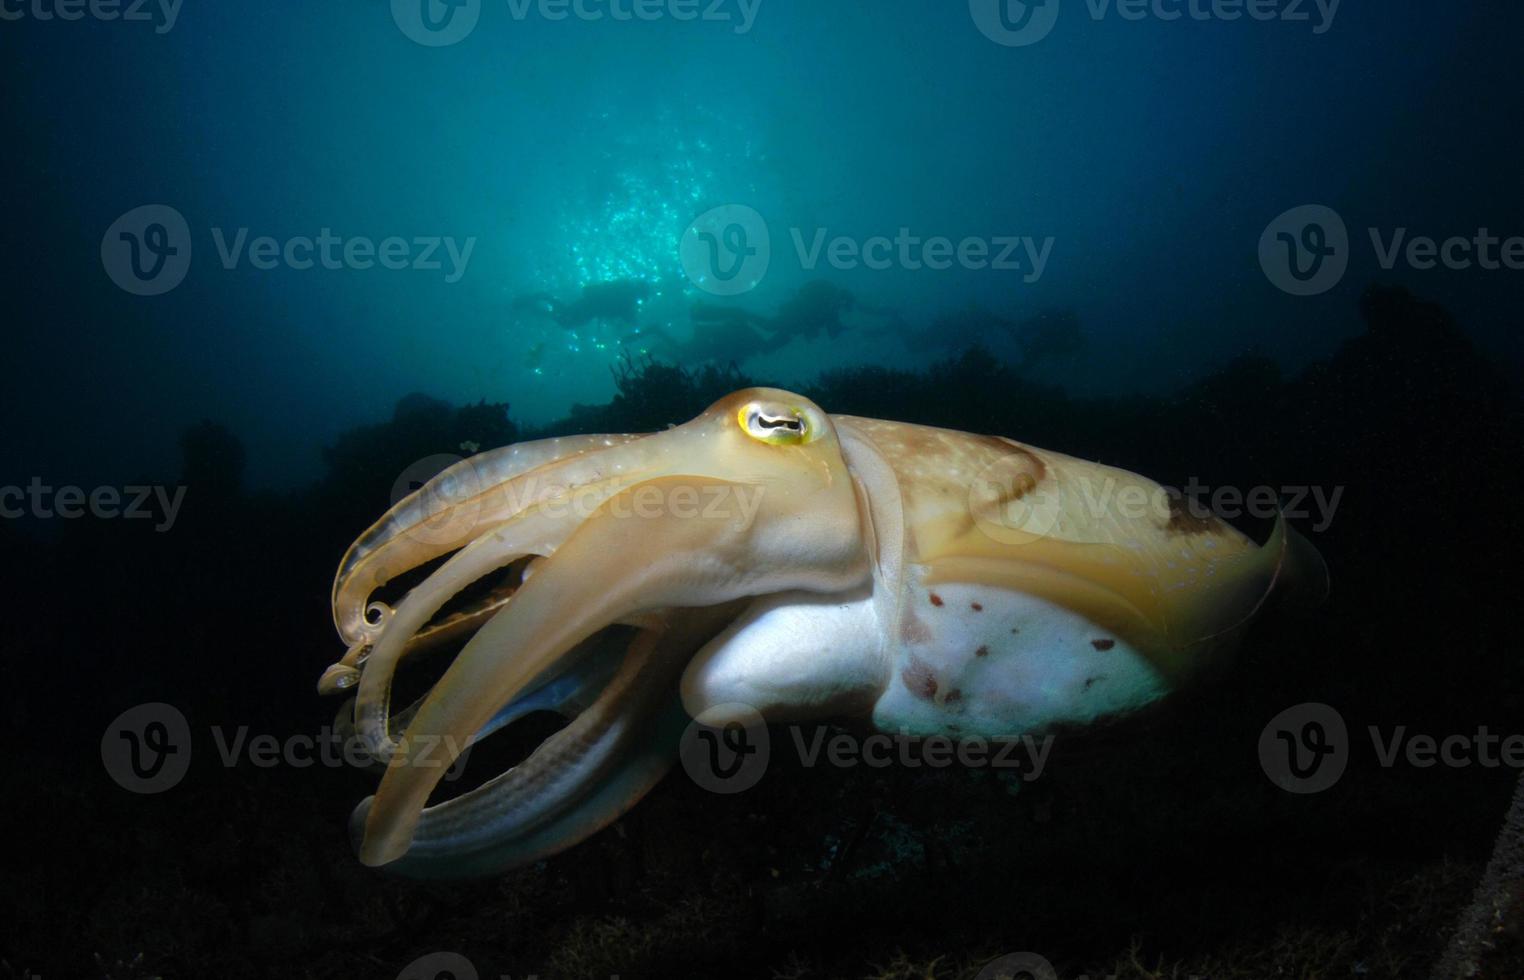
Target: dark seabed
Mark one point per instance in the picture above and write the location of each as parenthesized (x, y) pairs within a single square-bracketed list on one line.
[(272, 267)]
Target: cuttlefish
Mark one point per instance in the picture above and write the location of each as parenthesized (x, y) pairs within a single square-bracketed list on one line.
[(762, 560)]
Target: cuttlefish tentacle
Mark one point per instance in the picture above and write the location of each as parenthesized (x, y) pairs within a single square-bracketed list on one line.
[(578, 780), (529, 532), (568, 692), (918, 579), (345, 673)]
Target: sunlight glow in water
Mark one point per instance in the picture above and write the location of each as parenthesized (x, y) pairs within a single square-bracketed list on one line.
[(641, 195)]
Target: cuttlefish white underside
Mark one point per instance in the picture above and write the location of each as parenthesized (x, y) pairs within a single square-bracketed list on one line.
[(765, 557)]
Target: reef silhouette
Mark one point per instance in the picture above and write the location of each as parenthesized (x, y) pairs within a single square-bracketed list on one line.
[(226, 617)]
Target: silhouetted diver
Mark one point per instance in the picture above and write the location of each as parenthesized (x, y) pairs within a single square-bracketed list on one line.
[(720, 333), (1050, 335), (729, 333), (616, 300), (817, 306)]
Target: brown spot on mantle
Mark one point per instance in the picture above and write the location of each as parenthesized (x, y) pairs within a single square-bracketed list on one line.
[(982, 652), (913, 630), (1103, 644), (936, 600), (919, 679), (976, 607)]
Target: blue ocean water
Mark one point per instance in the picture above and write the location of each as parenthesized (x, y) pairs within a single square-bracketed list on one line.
[(1126, 164)]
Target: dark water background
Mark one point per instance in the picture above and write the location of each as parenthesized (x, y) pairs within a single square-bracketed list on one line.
[(290, 404)]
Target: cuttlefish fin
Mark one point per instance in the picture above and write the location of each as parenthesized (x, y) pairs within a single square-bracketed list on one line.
[(1169, 611), (1286, 567)]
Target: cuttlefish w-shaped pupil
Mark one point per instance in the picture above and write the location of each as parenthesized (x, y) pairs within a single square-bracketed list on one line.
[(779, 422)]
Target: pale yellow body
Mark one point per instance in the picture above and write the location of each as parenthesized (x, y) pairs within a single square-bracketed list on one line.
[(798, 564)]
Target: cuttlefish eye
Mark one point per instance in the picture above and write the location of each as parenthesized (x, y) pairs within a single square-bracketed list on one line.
[(776, 424)]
